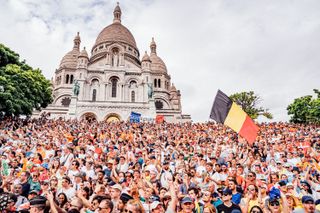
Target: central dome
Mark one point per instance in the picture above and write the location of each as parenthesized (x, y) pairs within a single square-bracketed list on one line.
[(116, 32)]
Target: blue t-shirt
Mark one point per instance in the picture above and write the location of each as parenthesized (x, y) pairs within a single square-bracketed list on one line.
[(236, 198)]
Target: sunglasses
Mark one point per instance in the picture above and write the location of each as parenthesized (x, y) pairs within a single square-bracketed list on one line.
[(126, 210), (225, 194), (309, 202), (188, 203), (276, 203), (255, 211)]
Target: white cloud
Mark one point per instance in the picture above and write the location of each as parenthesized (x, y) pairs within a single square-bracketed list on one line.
[(271, 47)]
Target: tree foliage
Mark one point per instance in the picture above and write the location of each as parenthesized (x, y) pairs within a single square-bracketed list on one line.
[(249, 103), (305, 109), (22, 88)]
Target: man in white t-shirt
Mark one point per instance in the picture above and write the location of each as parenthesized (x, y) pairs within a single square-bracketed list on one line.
[(66, 188)]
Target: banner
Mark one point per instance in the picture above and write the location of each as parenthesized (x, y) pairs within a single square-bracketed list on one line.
[(135, 117), (159, 119)]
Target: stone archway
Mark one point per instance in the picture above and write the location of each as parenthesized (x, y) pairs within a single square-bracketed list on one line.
[(113, 117), (89, 116)]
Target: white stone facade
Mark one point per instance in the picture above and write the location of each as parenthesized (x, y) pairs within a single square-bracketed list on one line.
[(113, 81)]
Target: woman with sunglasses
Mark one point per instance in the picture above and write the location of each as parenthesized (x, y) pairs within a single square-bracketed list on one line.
[(275, 205)]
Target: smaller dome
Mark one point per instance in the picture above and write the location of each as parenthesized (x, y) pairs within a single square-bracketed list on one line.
[(146, 57), (70, 59), (83, 53), (157, 65)]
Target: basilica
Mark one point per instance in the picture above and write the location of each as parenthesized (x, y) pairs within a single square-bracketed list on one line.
[(113, 81)]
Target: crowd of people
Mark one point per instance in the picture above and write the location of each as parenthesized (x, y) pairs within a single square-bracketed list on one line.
[(80, 166)]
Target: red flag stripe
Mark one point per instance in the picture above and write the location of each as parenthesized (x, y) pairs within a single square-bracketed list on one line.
[(249, 130)]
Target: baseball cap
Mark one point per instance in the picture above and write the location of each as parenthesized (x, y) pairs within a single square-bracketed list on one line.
[(117, 186), (307, 198), (125, 197), (154, 205), (227, 191), (305, 182), (110, 161), (38, 201), (79, 174), (186, 199), (282, 183), (33, 192), (290, 185)]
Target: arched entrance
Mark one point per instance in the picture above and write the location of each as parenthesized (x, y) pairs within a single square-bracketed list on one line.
[(89, 116), (112, 118)]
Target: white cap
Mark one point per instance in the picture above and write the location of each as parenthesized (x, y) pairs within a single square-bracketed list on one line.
[(117, 186), (154, 204)]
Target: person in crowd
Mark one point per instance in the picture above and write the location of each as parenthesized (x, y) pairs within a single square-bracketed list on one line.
[(227, 205)]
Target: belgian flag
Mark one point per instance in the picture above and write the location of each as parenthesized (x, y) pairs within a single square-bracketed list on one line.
[(230, 114)]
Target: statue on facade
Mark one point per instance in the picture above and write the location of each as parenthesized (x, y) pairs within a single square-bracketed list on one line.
[(115, 59), (76, 88), (150, 90)]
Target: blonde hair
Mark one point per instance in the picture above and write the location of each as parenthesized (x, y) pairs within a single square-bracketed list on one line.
[(211, 208), (137, 205)]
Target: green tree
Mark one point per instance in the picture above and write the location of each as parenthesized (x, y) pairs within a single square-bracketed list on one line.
[(305, 109), (22, 88), (249, 103)]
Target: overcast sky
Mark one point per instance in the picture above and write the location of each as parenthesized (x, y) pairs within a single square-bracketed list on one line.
[(271, 47)]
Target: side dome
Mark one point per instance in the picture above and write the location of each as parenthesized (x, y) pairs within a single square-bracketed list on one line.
[(116, 32), (84, 53), (145, 57), (157, 65), (70, 59)]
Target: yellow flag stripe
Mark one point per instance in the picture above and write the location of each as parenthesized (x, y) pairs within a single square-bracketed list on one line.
[(235, 117)]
